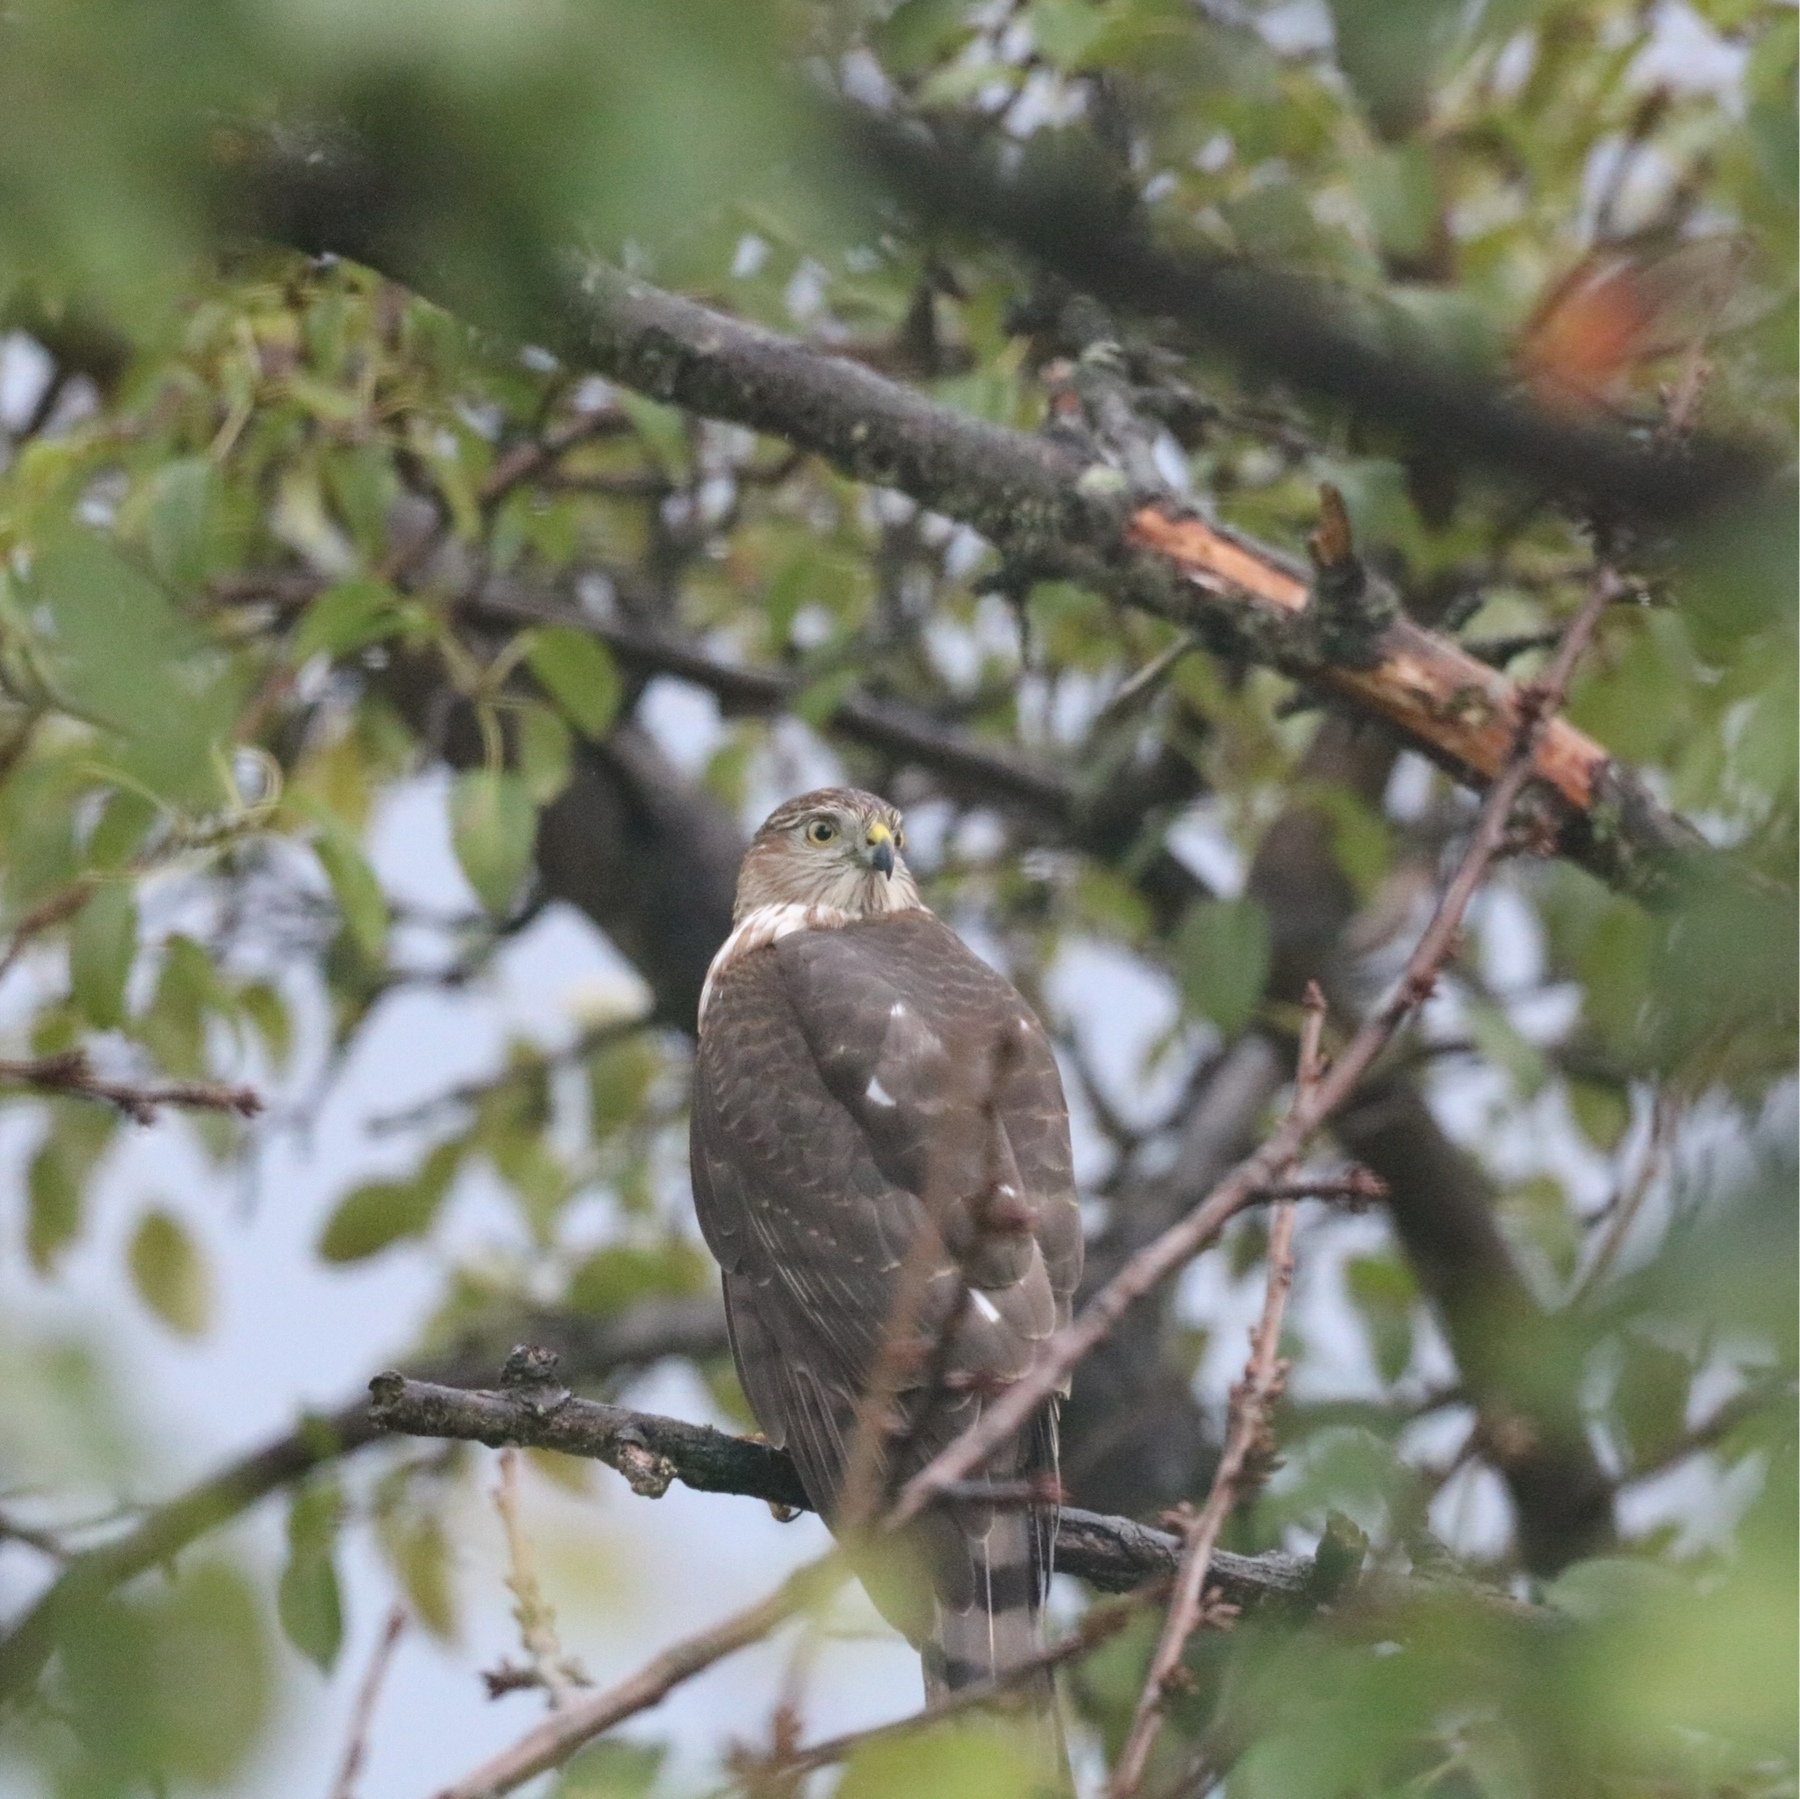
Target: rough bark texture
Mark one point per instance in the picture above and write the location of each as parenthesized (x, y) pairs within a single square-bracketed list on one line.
[(651, 1452), (1034, 498)]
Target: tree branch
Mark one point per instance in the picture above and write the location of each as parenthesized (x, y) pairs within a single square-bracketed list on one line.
[(1248, 1443), (71, 1074), (1035, 499), (1038, 504), (645, 1334), (1116, 1555), (561, 1734), (1078, 223), (1150, 1266)]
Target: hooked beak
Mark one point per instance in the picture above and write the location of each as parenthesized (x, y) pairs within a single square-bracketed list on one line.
[(881, 849)]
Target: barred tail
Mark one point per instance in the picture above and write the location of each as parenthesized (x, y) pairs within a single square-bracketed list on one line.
[(989, 1577)]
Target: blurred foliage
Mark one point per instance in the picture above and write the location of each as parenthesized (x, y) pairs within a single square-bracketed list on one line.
[(242, 497)]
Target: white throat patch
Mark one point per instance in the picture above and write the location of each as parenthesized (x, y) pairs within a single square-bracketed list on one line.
[(766, 925)]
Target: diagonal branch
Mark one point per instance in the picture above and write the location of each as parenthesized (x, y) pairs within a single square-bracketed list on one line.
[(561, 1734), (1078, 225), (1248, 1434), (1159, 1259), (1040, 502)]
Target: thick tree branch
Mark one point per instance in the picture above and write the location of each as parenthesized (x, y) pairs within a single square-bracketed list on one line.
[(1081, 220), (1039, 504), (1036, 500)]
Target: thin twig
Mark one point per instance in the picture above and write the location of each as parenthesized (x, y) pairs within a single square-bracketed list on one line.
[(590, 1042), (1176, 1246), (548, 1667), (1356, 1187), (70, 1072), (43, 1541), (1100, 1624), (1246, 1440), (1622, 1211), (561, 1734), (65, 902), (362, 1713)]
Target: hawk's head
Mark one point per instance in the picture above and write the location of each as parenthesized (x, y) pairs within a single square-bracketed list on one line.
[(836, 847)]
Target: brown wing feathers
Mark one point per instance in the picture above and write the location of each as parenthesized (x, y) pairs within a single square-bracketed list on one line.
[(852, 1083)]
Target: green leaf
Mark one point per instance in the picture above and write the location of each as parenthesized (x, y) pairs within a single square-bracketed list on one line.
[(378, 1213), (919, 31), (492, 826), (1065, 30), (619, 1077), (577, 671), (102, 947), (119, 656), (170, 1273), (1615, 968), (1360, 838), (119, 832), (179, 520), (354, 886), (618, 1276), (169, 1685), (347, 617), (1500, 1043), (818, 700), (546, 754), (1222, 960), (263, 1005), (611, 1769), (1649, 1401), (173, 1026), (1603, 1110), (57, 1180), (663, 429), (420, 1554), (1539, 1220), (308, 1600), (370, 1217), (981, 1760), (363, 487), (1398, 189), (1388, 49)]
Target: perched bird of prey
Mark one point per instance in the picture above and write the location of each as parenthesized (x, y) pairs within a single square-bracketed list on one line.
[(881, 1157)]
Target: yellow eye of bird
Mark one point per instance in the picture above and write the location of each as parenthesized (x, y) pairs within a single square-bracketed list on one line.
[(821, 830)]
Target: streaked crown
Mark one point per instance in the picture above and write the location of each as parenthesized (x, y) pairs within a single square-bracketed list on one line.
[(836, 847)]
